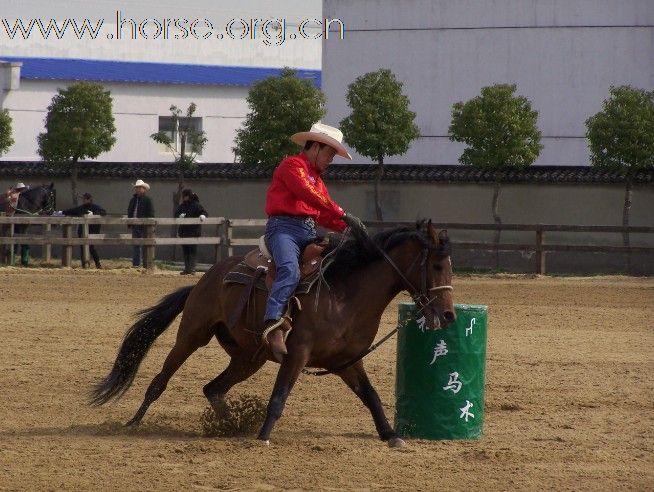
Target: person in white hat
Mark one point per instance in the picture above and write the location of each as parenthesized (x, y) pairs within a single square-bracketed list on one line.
[(140, 206), (14, 191), (11, 203), (296, 200)]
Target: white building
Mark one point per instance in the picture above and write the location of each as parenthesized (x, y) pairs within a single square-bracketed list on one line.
[(562, 54), (151, 55)]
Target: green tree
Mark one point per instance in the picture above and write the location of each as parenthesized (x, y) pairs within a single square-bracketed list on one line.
[(501, 132), (381, 123), (6, 141), (621, 138), (279, 107), (185, 142), (79, 125)]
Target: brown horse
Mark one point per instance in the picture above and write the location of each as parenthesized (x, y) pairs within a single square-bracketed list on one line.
[(336, 323)]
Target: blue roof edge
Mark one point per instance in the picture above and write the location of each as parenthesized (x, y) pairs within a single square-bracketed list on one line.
[(36, 68)]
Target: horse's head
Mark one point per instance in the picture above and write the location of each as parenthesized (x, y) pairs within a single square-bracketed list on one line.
[(431, 277), (39, 200)]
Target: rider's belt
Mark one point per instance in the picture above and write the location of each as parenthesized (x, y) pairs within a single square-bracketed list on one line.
[(304, 218)]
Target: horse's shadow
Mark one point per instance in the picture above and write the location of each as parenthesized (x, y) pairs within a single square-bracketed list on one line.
[(162, 430), (105, 429)]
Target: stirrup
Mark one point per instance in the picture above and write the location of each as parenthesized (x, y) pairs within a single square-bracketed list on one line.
[(284, 323)]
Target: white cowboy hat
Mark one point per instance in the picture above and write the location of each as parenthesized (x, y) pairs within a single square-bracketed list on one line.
[(20, 186), (140, 182), (324, 134)]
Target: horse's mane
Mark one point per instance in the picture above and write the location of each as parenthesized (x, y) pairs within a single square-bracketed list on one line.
[(356, 252)]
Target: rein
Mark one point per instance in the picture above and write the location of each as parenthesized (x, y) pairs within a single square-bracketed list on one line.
[(421, 300)]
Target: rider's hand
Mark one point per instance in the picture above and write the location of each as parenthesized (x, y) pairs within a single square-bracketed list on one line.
[(354, 222), (181, 216)]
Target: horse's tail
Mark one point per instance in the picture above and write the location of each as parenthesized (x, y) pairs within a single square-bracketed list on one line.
[(151, 323)]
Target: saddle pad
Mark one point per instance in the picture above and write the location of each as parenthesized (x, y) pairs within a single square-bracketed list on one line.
[(243, 273)]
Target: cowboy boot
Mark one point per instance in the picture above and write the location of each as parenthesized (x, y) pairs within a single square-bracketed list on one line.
[(273, 336)]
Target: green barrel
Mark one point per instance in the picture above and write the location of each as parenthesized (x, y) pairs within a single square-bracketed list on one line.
[(439, 386)]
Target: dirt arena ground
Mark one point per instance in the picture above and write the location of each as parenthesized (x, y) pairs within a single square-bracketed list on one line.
[(569, 397)]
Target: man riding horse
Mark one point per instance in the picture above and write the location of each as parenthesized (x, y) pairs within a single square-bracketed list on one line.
[(296, 200)]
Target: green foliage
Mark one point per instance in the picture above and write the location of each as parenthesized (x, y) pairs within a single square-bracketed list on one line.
[(279, 107), (191, 140), (79, 125), (621, 135), (381, 123), (499, 128), (6, 141)]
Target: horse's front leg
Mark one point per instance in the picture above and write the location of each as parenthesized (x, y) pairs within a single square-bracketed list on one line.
[(357, 379), (288, 373)]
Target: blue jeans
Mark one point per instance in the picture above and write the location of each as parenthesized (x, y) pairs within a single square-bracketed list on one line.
[(137, 252), (286, 237)]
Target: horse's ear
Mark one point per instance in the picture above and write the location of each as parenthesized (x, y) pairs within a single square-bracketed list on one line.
[(431, 231)]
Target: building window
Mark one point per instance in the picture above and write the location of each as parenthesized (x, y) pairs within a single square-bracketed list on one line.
[(167, 125)]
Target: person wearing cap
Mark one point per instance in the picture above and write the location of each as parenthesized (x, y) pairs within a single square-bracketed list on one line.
[(296, 200), (140, 206), (87, 208), (190, 208)]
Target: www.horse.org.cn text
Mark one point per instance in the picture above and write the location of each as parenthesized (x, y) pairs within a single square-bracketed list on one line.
[(269, 31)]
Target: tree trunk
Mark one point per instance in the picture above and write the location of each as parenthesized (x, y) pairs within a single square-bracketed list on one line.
[(378, 178), (73, 182), (625, 217), (497, 220)]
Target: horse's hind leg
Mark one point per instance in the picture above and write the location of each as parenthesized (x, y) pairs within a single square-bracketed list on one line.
[(357, 379), (181, 351), (239, 369)]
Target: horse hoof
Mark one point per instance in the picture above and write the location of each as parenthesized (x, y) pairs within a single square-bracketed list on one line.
[(264, 442), (396, 442)]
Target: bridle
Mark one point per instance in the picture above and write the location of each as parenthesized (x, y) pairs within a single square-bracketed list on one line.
[(421, 297)]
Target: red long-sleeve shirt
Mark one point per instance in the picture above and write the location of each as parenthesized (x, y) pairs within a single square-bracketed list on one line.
[(298, 189)]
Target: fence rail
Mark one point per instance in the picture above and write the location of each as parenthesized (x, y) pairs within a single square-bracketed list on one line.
[(226, 236), (150, 240)]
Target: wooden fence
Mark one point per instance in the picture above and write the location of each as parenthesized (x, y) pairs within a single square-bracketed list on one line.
[(47, 238), (226, 237)]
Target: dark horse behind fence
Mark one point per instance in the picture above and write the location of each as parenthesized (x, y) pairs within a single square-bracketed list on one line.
[(38, 200), (336, 324)]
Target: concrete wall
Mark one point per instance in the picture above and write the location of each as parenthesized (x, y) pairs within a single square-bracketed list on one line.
[(443, 202), (562, 54)]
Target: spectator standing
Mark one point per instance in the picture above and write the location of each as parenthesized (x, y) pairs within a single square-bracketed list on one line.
[(140, 206), (87, 208), (12, 201), (190, 208)]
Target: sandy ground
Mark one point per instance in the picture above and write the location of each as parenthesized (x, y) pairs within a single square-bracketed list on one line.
[(569, 397)]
